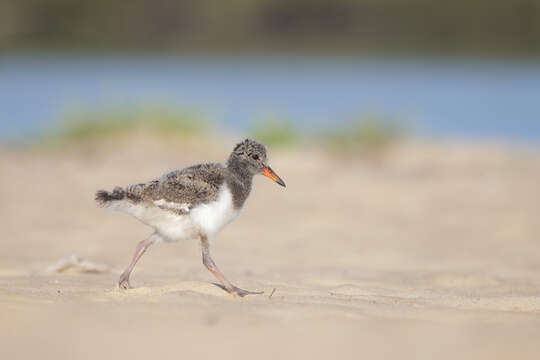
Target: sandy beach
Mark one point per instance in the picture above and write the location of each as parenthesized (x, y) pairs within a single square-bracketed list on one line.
[(431, 251)]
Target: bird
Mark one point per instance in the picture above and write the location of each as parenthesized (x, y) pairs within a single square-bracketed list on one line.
[(192, 203)]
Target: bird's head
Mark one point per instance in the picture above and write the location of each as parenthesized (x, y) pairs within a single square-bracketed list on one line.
[(251, 155)]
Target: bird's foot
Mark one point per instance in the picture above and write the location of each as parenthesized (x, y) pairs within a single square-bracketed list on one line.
[(241, 292), (236, 291), (123, 282)]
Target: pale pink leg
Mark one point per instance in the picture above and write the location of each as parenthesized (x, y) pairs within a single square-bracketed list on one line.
[(123, 282), (212, 267)]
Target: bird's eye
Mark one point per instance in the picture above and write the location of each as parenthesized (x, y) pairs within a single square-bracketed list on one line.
[(255, 157)]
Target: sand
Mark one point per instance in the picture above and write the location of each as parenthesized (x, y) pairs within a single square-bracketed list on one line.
[(429, 252)]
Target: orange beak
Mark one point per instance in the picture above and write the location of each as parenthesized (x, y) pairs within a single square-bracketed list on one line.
[(268, 172)]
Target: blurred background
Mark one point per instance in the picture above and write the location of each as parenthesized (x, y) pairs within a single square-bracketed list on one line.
[(465, 68), (407, 132)]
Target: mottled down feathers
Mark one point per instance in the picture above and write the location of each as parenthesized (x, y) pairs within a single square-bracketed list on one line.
[(197, 184)]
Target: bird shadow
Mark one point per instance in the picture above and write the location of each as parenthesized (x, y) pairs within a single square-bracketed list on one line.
[(220, 286)]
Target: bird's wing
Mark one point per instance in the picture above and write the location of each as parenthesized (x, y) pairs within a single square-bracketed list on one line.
[(181, 190)]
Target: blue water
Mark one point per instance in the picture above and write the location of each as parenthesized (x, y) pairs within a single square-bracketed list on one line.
[(480, 98)]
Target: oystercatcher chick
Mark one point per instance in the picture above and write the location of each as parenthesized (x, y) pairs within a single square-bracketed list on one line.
[(192, 203)]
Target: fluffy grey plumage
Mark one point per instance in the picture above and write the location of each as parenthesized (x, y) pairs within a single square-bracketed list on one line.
[(198, 184)]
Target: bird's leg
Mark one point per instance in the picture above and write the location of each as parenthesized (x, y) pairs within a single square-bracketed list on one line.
[(123, 282), (212, 267)]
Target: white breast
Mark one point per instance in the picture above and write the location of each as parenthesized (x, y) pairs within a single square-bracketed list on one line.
[(213, 216)]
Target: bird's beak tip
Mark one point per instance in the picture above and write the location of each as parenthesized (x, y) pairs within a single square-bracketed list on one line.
[(268, 172)]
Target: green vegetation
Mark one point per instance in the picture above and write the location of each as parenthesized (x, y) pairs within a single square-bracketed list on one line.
[(276, 133), (366, 137), (87, 125)]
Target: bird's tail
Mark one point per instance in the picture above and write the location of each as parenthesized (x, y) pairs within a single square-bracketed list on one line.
[(104, 198)]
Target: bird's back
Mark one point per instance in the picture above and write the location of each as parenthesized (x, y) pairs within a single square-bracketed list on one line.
[(190, 187)]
